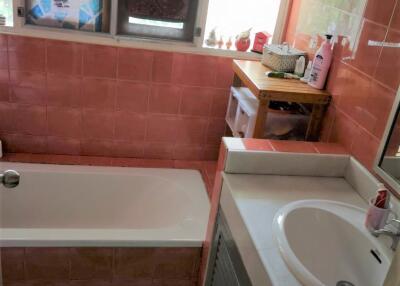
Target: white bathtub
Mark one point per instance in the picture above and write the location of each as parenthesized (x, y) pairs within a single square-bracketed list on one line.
[(103, 206)]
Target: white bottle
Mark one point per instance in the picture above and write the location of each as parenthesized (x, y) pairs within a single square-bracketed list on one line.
[(307, 73), (300, 65), (321, 64)]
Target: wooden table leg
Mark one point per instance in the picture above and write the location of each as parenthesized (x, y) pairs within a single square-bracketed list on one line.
[(315, 122), (237, 82), (262, 111)]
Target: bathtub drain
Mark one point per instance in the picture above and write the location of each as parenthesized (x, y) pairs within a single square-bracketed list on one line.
[(344, 283)]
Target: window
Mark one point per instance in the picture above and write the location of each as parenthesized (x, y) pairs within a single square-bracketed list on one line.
[(85, 15), (187, 21), (165, 19), (230, 17), (6, 10)]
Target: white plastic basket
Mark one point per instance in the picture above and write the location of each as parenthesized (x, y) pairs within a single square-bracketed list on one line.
[(242, 113), (281, 58)]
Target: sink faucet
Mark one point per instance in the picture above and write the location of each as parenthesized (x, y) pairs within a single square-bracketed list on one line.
[(10, 178), (393, 234)]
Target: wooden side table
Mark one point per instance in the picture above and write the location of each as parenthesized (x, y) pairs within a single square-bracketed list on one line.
[(251, 74)]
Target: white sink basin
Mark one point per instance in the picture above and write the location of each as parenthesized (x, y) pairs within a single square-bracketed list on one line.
[(324, 242)]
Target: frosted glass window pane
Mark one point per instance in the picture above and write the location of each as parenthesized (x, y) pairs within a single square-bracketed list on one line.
[(6, 10), (167, 19), (231, 17)]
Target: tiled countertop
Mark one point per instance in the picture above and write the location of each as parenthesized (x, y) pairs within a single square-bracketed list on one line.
[(250, 203)]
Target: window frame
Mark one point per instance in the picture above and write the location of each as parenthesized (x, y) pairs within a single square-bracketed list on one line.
[(113, 39)]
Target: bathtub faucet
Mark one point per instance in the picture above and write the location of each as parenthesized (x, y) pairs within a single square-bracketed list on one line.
[(10, 178)]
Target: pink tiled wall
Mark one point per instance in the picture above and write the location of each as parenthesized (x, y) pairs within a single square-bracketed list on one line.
[(364, 82), (77, 99), (100, 266)]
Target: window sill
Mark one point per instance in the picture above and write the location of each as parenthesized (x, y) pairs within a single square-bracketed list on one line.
[(124, 41)]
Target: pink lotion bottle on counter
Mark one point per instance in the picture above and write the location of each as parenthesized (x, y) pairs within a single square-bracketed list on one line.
[(321, 64)]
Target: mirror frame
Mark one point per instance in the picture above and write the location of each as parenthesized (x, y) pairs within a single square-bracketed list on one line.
[(395, 185)]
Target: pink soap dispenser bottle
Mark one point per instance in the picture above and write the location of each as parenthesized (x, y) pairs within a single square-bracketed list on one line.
[(321, 64)]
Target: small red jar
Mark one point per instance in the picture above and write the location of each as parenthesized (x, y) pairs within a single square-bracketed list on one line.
[(242, 45)]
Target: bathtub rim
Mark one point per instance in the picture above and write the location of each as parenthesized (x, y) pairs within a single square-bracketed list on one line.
[(97, 238), (188, 235)]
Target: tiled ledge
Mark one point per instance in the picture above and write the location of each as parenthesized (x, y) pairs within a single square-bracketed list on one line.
[(206, 168), (249, 144)]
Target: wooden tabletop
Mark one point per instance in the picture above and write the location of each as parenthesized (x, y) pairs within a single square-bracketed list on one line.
[(252, 74)]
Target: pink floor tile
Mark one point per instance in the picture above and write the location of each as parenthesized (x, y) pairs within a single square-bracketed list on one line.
[(293, 146), (257, 144), (329, 148)]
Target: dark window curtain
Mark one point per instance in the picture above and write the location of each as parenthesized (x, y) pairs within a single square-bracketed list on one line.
[(162, 10)]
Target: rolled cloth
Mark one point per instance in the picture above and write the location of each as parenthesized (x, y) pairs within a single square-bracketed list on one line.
[(170, 10)]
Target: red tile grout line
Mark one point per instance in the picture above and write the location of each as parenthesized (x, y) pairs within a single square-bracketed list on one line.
[(359, 126), (370, 77)]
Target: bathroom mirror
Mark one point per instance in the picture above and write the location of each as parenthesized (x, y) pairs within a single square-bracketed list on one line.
[(387, 163)]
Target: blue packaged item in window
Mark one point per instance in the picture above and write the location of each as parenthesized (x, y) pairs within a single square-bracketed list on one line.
[(84, 15)]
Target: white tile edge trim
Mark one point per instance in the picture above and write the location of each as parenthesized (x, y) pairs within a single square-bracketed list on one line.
[(289, 164), (258, 273)]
